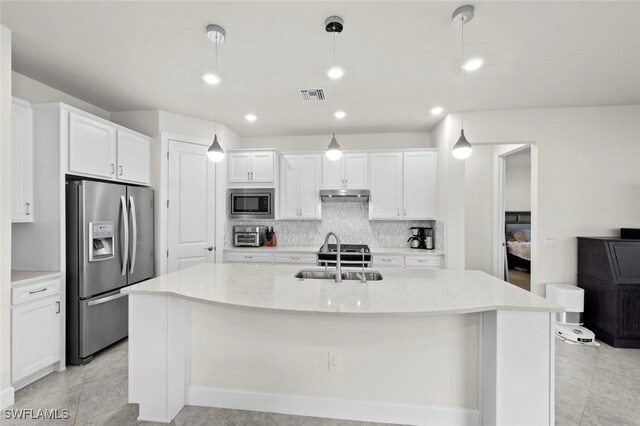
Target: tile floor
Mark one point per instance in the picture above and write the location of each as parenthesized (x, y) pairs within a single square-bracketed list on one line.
[(594, 386)]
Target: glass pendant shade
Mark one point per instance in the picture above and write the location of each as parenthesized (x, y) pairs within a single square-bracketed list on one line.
[(334, 152), (215, 152), (462, 149)]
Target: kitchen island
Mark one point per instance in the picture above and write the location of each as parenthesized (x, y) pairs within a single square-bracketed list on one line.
[(418, 347)]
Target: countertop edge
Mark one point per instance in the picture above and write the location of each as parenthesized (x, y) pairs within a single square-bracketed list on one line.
[(460, 311), (46, 275), (399, 251)]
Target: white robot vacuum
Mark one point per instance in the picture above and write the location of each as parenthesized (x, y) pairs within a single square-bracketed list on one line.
[(568, 324)]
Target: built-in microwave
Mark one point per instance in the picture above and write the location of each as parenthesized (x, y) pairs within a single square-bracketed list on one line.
[(251, 203)]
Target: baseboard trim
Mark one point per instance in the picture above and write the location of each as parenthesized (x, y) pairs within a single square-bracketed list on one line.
[(331, 407), (7, 397)]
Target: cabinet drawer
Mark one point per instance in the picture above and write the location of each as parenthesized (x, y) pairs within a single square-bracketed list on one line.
[(382, 260), (249, 257), (35, 291), (423, 262), (305, 258)]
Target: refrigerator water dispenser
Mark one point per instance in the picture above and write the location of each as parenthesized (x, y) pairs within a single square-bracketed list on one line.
[(100, 241)]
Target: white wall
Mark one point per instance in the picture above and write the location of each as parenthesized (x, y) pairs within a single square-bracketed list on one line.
[(479, 209), (348, 142), (31, 90), (6, 392), (584, 172), (451, 192), (517, 185)]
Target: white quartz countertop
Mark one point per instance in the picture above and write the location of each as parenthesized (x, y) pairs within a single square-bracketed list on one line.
[(401, 292), (406, 251), (19, 278)]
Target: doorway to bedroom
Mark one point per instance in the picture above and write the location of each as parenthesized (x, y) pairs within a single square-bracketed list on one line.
[(517, 217)]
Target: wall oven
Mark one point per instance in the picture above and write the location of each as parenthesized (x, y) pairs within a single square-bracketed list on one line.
[(251, 203)]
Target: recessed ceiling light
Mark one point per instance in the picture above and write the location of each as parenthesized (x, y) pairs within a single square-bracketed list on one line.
[(340, 115), (437, 110), (335, 72), (473, 64), (251, 117), (211, 78)]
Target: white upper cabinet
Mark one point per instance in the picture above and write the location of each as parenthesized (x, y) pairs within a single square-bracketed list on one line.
[(356, 170), (22, 162), (300, 177), (92, 147), (251, 167), (386, 186), (420, 185), (403, 186), (350, 171), (102, 149), (134, 157)]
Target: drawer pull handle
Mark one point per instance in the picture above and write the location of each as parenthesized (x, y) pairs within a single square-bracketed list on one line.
[(386, 260), (57, 307), (248, 257), (38, 291)]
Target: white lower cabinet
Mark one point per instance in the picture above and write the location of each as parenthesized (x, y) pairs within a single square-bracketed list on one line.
[(35, 328), (248, 257), (424, 262), (384, 260), (296, 258)]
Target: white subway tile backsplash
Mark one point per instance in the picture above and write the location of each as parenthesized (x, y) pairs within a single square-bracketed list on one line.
[(350, 221)]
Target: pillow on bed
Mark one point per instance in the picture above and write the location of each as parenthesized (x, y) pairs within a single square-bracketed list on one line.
[(511, 236), (522, 235)]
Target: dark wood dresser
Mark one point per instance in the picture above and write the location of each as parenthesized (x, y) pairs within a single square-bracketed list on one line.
[(609, 272)]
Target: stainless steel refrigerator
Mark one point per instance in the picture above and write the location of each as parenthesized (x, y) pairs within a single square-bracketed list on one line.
[(109, 246)]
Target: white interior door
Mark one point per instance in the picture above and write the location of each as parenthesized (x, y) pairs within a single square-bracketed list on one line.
[(191, 222)]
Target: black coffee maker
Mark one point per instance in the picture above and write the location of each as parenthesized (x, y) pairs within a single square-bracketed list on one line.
[(421, 238)]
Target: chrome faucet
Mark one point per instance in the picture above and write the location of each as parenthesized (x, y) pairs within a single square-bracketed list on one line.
[(325, 249)]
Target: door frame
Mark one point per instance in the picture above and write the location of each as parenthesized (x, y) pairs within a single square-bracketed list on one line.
[(499, 207), (165, 138)]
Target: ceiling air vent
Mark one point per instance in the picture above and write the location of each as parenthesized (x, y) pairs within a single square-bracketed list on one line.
[(311, 95)]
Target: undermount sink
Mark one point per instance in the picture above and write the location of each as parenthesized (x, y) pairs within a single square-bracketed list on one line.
[(330, 275)]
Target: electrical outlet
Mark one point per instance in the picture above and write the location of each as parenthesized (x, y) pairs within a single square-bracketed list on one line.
[(334, 361)]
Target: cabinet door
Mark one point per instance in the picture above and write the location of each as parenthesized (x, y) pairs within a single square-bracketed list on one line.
[(332, 173), (386, 186), (356, 170), (35, 337), (22, 162), (92, 147), (134, 158), (239, 168), (309, 178), (420, 185), (262, 168), (289, 187)]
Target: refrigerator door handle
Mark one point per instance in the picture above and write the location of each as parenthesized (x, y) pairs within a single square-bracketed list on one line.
[(134, 238), (125, 222), (106, 299)]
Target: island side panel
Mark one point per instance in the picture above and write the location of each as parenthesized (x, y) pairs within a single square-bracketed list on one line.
[(424, 368), (158, 344), (517, 368)]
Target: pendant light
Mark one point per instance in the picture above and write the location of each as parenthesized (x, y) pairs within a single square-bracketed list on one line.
[(217, 35), (462, 149), (334, 24)]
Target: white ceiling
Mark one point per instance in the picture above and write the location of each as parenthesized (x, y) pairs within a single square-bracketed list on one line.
[(401, 58)]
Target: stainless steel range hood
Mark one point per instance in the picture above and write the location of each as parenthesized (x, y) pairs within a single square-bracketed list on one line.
[(344, 195)]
